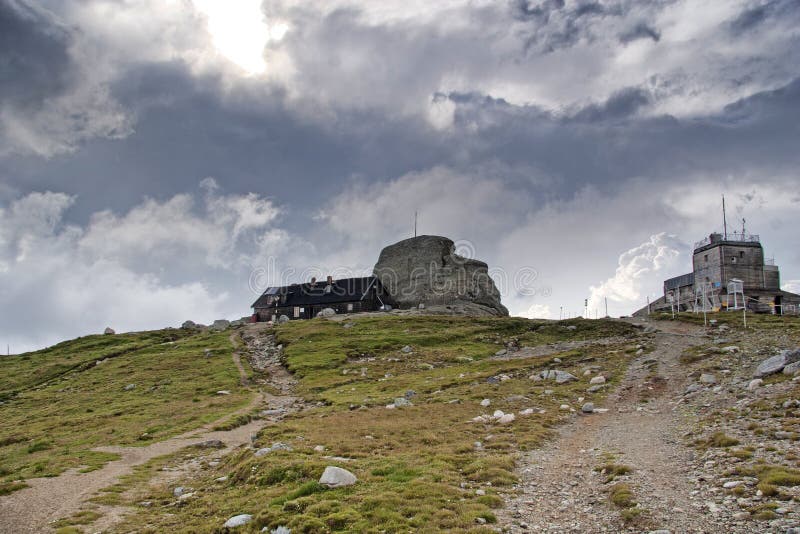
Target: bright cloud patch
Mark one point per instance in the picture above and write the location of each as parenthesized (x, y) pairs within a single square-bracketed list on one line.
[(640, 272), (156, 265)]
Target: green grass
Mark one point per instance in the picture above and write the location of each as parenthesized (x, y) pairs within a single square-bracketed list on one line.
[(735, 320), (418, 466), (717, 439), (621, 496), (612, 471), (65, 404)]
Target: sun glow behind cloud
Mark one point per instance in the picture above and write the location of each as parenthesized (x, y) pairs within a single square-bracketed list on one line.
[(240, 31)]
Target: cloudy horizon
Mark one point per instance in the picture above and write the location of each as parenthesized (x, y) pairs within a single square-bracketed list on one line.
[(156, 156)]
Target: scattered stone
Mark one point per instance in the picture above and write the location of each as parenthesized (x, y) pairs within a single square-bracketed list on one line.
[(595, 389), (526, 411), (776, 364), (755, 384), (708, 378), (560, 377), (572, 327), (732, 484), (587, 408), (177, 492), (319, 448), (221, 479), (223, 392), (792, 368), (731, 349), (564, 407), (220, 324), (600, 379), (407, 349), (485, 402), (400, 402), (336, 477), (781, 434), (692, 388), (190, 325), (277, 446), (109, 331), (130, 387), (410, 393), (501, 352), (238, 521), (506, 419), (326, 312)]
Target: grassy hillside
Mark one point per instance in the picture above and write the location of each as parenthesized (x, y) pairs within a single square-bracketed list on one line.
[(425, 467), (61, 402)]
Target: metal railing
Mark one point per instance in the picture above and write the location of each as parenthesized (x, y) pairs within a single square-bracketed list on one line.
[(743, 238)]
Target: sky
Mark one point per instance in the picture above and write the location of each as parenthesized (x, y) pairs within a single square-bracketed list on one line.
[(165, 160)]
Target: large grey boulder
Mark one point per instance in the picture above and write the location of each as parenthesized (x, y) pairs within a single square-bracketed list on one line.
[(220, 324), (326, 312), (773, 365), (283, 319), (336, 477), (426, 270), (109, 331)]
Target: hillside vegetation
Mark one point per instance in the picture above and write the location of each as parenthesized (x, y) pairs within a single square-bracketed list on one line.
[(422, 467), (129, 389)]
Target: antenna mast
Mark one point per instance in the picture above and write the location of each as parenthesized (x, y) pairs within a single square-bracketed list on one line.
[(415, 223), (724, 219)]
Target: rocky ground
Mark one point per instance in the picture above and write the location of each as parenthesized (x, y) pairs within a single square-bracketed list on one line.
[(658, 460)]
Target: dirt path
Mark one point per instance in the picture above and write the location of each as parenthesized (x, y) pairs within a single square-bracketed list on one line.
[(561, 492), (31, 510)]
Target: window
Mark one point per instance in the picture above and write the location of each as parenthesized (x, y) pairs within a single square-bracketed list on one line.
[(296, 312), (705, 258), (349, 306), (741, 253)]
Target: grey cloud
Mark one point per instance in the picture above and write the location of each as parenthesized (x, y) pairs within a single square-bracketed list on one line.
[(34, 63), (620, 105), (640, 31), (755, 16)]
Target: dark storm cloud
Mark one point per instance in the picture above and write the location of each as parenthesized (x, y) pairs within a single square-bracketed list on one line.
[(751, 18), (620, 105), (185, 132), (34, 63), (593, 147), (640, 31)]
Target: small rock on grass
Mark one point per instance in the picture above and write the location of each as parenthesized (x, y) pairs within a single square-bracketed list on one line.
[(238, 521), (485, 402), (587, 408), (754, 384), (336, 477)]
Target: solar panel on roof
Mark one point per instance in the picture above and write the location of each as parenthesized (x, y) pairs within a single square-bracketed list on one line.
[(271, 291)]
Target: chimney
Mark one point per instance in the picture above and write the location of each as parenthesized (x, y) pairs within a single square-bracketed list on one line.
[(330, 280), (313, 280)]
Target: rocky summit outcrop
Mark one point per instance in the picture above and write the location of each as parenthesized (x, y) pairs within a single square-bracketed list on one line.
[(426, 271)]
